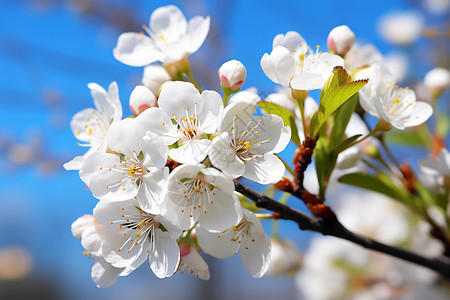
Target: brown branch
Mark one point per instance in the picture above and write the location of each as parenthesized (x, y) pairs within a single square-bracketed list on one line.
[(333, 227)]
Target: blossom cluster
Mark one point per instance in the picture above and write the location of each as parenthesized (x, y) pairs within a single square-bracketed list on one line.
[(164, 177)]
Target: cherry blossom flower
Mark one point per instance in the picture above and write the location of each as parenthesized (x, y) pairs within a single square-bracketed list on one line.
[(186, 117), (248, 235), (91, 235), (139, 171), (170, 38), (383, 99), (135, 235), (197, 193), (247, 144), (401, 28), (291, 63), (92, 125)]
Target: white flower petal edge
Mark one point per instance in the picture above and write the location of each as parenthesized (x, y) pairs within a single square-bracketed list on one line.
[(170, 38), (135, 235), (92, 125), (248, 235), (247, 143), (194, 264), (197, 193), (186, 116), (385, 100)]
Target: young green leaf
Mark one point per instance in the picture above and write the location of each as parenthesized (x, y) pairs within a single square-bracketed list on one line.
[(285, 114)]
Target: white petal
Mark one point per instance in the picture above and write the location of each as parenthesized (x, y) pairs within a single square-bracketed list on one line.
[(212, 111), (103, 274), (192, 151), (91, 239), (114, 101), (223, 213), (198, 28), (279, 66), (271, 133), (255, 253), (237, 116), (156, 120), (223, 156), (264, 170), (307, 81), (135, 49), (219, 179), (74, 164), (153, 190), (125, 137), (168, 20), (194, 262), (166, 256), (178, 99), (216, 244), (292, 41), (120, 259), (421, 113), (155, 150)]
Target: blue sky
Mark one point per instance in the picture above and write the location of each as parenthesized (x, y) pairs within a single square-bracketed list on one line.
[(48, 55)]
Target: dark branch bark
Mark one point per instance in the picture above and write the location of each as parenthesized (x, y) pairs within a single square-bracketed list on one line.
[(332, 226)]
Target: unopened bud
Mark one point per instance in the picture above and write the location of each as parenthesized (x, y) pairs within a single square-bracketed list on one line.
[(437, 80), (141, 98), (340, 40), (154, 77), (348, 158), (81, 224), (232, 75)]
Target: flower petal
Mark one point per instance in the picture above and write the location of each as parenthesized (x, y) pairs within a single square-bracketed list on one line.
[(153, 190), (192, 151), (212, 111), (168, 20), (156, 120), (223, 156), (255, 254), (135, 49), (264, 170), (198, 28), (216, 244), (279, 66), (221, 212), (178, 99), (165, 257), (291, 40), (103, 273), (421, 113)]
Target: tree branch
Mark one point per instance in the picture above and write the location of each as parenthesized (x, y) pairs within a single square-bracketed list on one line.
[(331, 226)]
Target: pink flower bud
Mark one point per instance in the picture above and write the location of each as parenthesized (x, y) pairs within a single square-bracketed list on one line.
[(141, 98), (232, 75), (437, 80), (340, 40)]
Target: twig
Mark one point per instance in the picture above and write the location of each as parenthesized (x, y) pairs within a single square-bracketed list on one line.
[(331, 226)]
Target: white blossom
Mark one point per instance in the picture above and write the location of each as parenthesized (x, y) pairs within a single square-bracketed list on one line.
[(197, 193), (191, 262), (135, 235), (139, 171), (401, 28), (383, 99), (437, 79), (248, 236), (92, 125), (170, 38), (438, 168), (292, 63), (186, 117), (246, 145)]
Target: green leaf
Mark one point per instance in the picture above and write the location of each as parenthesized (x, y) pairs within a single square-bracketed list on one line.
[(285, 114), (372, 183), (335, 92), (406, 138), (345, 144), (341, 119), (325, 162)]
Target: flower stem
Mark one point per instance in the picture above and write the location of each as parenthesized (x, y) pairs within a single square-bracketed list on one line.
[(225, 98), (192, 80)]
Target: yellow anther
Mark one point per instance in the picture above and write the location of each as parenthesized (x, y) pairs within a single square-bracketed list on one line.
[(246, 145), (397, 101), (86, 253)]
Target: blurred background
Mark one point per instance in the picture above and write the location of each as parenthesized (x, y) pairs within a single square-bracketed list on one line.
[(51, 49)]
